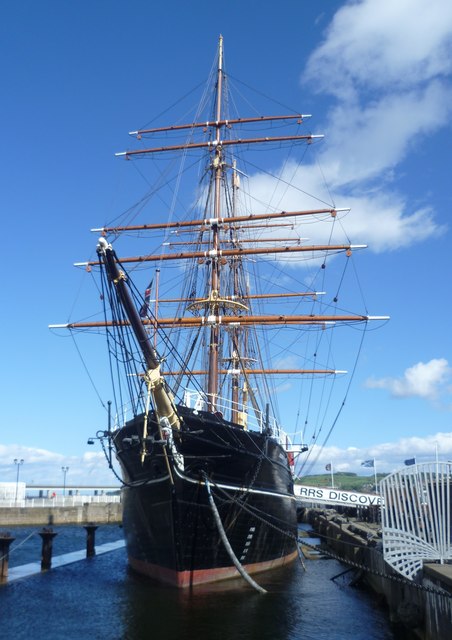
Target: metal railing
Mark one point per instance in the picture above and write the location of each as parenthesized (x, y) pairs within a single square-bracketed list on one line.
[(417, 516), (59, 501)]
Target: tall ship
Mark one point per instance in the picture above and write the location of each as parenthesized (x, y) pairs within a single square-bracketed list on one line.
[(196, 322)]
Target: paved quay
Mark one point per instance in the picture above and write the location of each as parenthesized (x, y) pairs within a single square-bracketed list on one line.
[(33, 568)]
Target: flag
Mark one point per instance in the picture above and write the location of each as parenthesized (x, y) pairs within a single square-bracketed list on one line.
[(147, 298), (368, 463), (410, 461), (328, 467)]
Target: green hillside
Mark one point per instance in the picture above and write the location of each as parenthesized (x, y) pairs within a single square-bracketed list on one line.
[(342, 480)]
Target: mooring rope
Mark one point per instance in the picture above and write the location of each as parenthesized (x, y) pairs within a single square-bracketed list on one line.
[(13, 548), (343, 559), (226, 543)]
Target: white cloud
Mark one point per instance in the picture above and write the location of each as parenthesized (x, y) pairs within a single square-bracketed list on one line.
[(386, 222), (423, 380), (30, 454), (425, 448), (388, 456), (389, 67), (383, 45), (380, 218), (44, 467), (369, 139)]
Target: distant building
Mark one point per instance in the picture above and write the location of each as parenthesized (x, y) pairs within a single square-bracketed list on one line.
[(8, 491)]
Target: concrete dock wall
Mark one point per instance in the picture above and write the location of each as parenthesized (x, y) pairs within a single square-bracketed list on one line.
[(100, 513), (419, 609)]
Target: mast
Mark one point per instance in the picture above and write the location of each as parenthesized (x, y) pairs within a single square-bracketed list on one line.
[(156, 304), (217, 168), (235, 355), (163, 403), (218, 300)]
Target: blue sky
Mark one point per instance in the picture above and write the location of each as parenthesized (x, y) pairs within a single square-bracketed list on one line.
[(76, 77)]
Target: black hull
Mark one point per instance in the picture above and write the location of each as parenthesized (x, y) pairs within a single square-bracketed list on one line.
[(170, 529)]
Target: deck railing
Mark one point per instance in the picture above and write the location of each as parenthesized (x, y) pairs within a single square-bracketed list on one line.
[(256, 420)]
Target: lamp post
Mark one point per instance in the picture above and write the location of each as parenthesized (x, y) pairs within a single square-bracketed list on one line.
[(17, 463), (64, 470)]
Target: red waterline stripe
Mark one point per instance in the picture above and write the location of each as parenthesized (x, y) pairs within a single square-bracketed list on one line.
[(184, 579)]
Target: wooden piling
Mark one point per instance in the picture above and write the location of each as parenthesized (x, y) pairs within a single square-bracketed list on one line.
[(90, 540), (5, 541), (47, 536)]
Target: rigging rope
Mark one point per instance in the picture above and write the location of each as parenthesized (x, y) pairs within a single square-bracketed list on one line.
[(336, 418), (71, 333)]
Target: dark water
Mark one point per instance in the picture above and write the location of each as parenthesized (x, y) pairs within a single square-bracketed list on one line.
[(99, 598), (27, 544)]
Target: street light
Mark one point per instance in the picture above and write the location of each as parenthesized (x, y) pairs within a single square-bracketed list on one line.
[(64, 470), (17, 463)]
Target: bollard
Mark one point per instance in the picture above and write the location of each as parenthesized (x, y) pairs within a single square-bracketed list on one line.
[(5, 542), (47, 536), (90, 540)]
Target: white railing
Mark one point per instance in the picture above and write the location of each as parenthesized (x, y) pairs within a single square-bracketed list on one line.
[(255, 420), (417, 516), (59, 501)]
